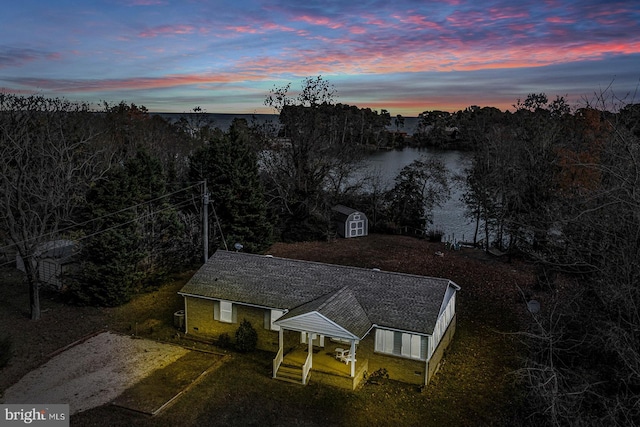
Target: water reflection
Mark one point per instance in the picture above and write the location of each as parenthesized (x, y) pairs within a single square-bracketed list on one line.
[(383, 166)]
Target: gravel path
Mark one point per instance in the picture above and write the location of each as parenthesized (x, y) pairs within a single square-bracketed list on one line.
[(94, 372)]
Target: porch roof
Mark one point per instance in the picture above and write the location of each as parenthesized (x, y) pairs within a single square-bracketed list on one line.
[(394, 300), (337, 314)]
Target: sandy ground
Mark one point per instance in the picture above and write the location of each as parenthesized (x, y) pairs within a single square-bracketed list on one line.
[(94, 372)]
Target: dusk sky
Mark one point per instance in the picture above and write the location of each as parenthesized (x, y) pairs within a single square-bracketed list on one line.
[(403, 56)]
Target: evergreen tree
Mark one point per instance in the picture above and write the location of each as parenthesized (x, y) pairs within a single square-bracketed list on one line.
[(133, 240), (107, 275), (230, 166)]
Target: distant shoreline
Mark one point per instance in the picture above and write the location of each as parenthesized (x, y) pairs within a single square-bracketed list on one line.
[(224, 120)]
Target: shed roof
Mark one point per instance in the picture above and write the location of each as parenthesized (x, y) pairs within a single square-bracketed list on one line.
[(61, 249), (354, 297), (343, 212)]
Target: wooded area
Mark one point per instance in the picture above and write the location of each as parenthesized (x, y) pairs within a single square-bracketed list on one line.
[(551, 183)]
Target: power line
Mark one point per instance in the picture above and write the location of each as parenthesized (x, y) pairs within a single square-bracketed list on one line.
[(101, 217), (138, 218), (141, 217)]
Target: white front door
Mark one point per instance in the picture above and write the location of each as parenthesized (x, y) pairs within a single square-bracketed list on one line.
[(316, 339)]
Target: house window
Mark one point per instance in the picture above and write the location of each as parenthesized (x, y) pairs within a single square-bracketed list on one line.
[(226, 311), (401, 344)]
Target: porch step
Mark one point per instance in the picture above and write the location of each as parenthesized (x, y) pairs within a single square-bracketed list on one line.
[(290, 374)]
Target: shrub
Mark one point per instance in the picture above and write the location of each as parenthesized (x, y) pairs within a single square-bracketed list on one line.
[(224, 341), (246, 337), (376, 376), (6, 346)]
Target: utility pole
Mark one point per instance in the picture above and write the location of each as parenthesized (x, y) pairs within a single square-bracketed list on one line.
[(205, 221)]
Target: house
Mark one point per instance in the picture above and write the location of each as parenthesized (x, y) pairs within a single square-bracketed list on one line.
[(55, 258), (350, 222), (333, 323)]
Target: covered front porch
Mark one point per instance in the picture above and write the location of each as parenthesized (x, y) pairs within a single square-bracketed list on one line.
[(324, 365), (329, 329)]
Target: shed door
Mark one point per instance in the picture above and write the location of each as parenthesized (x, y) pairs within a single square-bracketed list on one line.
[(356, 228)]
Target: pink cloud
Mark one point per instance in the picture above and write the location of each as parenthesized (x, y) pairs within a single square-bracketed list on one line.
[(420, 21), (506, 13), (467, 19), (13, 57), (135, 83), (276, 27), (165, 30), (258, 28), (560, 20), (320, 21), (244, 29)]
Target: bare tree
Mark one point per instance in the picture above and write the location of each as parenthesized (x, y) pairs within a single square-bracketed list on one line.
[(584, 365), (314, 148), (47, 163)]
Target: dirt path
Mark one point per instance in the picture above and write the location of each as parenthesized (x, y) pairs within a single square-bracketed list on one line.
[(94, 372)]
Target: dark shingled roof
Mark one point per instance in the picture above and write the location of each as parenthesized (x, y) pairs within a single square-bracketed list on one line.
[(342, 307), (352, 297)]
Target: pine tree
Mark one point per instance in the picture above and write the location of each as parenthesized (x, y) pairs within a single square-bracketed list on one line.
[(230, 166), (131, 235)]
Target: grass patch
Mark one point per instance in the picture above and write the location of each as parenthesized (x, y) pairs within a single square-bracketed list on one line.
[(157, 391)]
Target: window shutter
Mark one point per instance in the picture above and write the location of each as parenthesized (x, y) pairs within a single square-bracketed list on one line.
[(415, 346), (406, 345), (275, 315), (379, 340), (226, 311)]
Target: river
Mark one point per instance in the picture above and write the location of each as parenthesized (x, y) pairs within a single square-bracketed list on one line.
[(385, 166)]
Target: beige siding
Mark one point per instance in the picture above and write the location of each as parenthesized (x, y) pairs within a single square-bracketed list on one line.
[(200, 322), (399, 368)]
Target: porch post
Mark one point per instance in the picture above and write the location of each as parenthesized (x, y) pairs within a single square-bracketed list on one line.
[(310, 349), (280, 340), (353, 358)]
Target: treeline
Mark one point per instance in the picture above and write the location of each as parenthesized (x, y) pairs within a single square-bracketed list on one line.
[(560, 188), (127, 186)]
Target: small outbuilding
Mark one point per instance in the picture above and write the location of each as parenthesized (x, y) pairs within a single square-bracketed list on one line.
[(350, 222), (55, 258)]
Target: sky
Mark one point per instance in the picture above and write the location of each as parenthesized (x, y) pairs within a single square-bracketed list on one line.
[(402, 56)]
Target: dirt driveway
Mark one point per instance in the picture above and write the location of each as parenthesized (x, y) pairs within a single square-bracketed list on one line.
[(93, 372)]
